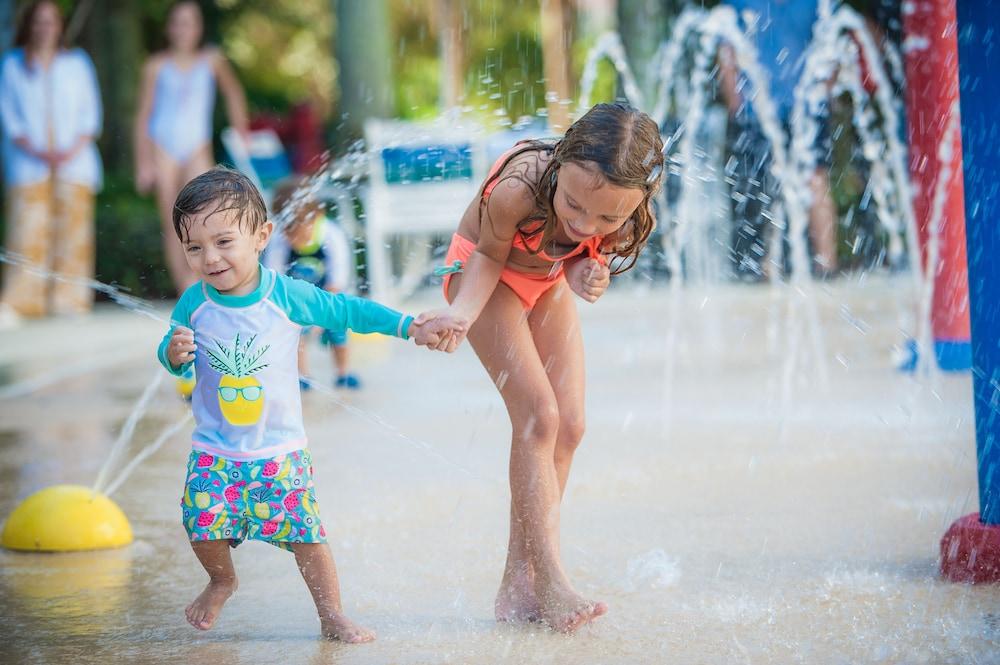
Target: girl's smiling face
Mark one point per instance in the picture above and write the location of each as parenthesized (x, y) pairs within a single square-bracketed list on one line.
[(587, 205)]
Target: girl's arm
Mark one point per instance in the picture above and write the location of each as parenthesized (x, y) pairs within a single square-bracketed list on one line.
[(510, 202), (232, 91), (145, 167)]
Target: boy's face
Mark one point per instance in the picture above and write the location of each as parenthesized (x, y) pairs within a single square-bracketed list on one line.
[(223, 254), (301, 232)]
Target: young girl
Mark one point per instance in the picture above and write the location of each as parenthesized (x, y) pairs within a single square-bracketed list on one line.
[(173, 130), (249, 475), (547, 218)]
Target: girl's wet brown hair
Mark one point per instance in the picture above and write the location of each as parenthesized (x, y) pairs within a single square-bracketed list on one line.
[(624, 147)]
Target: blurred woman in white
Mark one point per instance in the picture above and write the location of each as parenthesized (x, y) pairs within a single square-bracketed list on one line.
[(173, 131), (50, 107)]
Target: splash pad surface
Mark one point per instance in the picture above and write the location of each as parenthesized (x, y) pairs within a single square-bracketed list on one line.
[(720, 516)]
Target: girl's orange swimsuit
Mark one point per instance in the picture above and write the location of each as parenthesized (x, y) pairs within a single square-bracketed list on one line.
[(529, 287)]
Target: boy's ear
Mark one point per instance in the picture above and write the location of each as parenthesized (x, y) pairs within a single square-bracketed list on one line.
[(264, 234)]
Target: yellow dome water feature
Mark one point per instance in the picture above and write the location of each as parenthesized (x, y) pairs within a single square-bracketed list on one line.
[(66, 518)]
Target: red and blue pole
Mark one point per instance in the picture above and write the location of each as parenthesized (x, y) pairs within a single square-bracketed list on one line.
[(931, 93), (970, 550)]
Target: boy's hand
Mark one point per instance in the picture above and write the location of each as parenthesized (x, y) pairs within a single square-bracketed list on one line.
[(441, 330), (182, 347), (588, 278)]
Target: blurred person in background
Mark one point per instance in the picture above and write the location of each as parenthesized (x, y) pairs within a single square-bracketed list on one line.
[(50, 107), (173, 130)]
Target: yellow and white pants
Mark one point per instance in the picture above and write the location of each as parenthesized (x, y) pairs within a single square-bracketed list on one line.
[(51, 225)]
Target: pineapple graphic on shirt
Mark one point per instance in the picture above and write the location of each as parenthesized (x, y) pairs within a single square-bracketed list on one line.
[(241, 396)]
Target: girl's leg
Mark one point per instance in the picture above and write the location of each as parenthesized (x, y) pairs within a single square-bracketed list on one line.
[(503, 341), (556, 331), (555, 327), (320, 574), (201, 160), (168, 184), (73, 248), (218, 563), (29, 233)]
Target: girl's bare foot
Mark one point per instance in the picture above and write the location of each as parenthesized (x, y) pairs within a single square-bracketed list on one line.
[(516, 600), (564, 610), (339, 627), (204, 610)]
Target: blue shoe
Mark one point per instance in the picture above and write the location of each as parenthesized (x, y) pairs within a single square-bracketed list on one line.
[(349, 381), (304, 385)]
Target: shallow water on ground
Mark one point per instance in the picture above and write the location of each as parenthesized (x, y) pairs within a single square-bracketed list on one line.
[(719, 522)]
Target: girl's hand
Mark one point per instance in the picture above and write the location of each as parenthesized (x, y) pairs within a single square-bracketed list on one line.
[(588, 278), (441, 330), (181, 349)]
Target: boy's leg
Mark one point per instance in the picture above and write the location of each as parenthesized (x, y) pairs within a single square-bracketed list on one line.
[(315, 561), (303, 355), (215, 557), (341, 359)]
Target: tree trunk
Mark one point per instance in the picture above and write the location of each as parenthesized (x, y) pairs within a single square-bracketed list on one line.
[(557, 36), (7, 17), (365, 68), (451, 30), (118, 61), (643, 25)]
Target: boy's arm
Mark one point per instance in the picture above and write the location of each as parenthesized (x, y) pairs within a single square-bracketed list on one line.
[(181, 316), (308, 305)]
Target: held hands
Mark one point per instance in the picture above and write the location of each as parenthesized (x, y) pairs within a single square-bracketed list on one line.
[(441, 330), (588, 278), (182, 347)]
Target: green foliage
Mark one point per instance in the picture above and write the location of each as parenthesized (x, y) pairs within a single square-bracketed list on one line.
[(129, 241), (503, 58)]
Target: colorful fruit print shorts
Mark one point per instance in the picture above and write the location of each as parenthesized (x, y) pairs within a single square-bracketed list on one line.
[(266, 499)]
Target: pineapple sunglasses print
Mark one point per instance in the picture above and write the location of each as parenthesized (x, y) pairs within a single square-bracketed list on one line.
[(241, 396)]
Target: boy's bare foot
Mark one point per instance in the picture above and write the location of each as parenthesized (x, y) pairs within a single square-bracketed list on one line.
[(204, 610), (563, 610), (516, 600), (339, 627)]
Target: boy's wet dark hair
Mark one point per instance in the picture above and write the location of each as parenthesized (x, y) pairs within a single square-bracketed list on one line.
[(625, 146), (219, 189)]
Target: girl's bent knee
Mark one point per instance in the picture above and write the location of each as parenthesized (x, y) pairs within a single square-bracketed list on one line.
[(571, 431), (539, 432)]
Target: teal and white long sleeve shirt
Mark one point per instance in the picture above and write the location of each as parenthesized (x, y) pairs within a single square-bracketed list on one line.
[(246, 401)]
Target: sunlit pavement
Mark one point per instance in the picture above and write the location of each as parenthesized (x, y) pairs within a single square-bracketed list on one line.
[(728, 506)]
